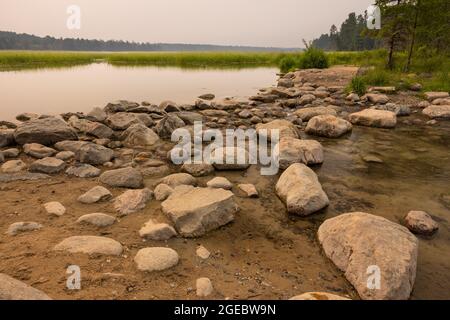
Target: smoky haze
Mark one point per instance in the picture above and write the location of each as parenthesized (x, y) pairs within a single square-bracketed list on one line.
[(267, 23)]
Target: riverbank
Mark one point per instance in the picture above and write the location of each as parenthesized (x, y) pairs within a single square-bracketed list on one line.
[(271, 248)]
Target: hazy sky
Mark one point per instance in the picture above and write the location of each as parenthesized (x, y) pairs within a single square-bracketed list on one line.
[(281, 23)]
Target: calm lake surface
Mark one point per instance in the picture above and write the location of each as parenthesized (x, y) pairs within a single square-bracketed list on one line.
[(79, 89)]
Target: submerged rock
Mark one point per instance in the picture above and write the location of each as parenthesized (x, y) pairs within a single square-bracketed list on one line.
[(360, 244), (300, 189), (196, 211), (328, 126), (422, 223), (290, 151), (374, 118)]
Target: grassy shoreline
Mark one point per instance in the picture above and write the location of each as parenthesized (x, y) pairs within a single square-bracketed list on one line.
[(431, 72)]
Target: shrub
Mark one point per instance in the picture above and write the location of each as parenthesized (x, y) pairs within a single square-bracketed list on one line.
[(287, 64), (314, 58), (358, 86), (377, 77)]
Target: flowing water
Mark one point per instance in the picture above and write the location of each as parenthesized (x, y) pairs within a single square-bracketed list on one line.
[(79, 89)]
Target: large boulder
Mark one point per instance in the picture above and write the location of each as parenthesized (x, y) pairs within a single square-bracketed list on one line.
[(138, 135), (285, 127), (300, 189), (361, 244), (123, 178), (12, 289), (437, 112), (46, 131), (290, 151), (196, 211), (307, 113), (328, 126), (167, 125), (374, 118)]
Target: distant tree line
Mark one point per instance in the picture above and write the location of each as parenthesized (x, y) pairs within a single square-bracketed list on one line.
[(15, 41), (350, 37), (420, 27)]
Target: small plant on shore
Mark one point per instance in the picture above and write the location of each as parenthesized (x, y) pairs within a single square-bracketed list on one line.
[(314, 59), (288, 63), (358, 86)]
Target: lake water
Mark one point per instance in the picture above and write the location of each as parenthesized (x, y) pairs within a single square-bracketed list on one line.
[(79, 89)]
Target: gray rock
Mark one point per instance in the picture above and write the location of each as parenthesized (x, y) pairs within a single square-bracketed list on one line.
[(300, 189), (94, 154), (83, 171), (95, 195), (6, 137), (157, 231), (198, 170), (90, 245), (48, 165), (196, 211), (359, 243), (120, 105), (12, 289), (132, 201), (20, 227), (27, 116), (11, 177), (168, 125), (100, 220), (46, 131), (123, 178), (156, 259)]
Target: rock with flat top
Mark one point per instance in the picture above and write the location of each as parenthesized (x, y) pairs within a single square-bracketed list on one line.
[(437, 112), (48, 165), (196, 211), (90, 245), (308, 113), (12, 289), (46, 131), (374, 118), (363, 245), (283, 127), (220, 182), (430, 96), (13, 166), (179, 179)]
